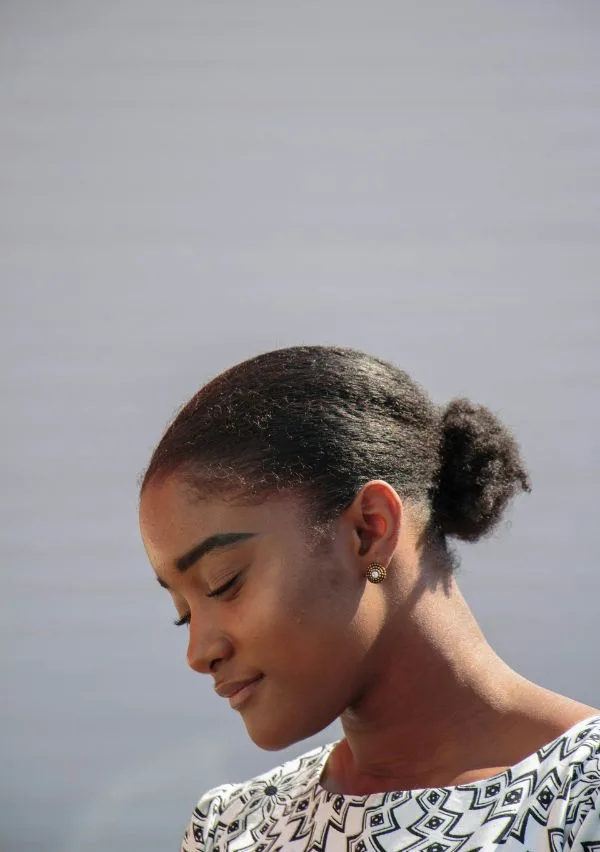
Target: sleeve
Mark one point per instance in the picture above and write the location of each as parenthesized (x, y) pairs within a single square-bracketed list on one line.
[(200, 832)]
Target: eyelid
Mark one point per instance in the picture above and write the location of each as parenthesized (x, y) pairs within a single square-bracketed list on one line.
[(225, 587)]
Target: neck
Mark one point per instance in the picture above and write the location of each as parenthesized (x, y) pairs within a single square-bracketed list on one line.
[(434, 712)]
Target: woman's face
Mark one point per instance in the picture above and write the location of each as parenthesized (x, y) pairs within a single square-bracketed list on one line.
[(266, 607)]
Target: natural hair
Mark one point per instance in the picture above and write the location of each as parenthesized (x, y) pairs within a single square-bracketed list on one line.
[(326, 420)]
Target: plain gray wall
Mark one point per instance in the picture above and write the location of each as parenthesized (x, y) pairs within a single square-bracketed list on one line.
[(186, 184)]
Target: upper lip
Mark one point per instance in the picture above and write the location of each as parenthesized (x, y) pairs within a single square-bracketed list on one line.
[(227, 688)]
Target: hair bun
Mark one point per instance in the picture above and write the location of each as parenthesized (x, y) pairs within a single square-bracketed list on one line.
[(481, 470)]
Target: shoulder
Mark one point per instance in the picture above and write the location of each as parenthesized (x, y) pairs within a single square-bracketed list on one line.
[(231, 807), (580, 746)]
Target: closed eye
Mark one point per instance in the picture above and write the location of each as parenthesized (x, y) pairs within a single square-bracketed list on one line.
[(185, 619)]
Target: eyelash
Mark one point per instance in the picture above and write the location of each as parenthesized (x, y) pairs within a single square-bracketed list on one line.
[(185, 619)]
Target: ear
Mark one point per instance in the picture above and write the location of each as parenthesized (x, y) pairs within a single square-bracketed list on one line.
[(376, 514)]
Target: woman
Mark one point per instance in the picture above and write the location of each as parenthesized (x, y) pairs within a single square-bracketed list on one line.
[(298, 510)]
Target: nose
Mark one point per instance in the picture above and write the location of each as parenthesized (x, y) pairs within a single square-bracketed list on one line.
[(207, 647)]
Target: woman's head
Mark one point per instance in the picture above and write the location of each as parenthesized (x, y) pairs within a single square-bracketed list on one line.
[(272, 491)]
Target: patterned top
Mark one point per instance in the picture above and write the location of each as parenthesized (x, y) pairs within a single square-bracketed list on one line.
[(550, 801)]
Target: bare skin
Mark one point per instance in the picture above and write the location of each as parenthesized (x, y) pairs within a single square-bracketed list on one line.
[(423, 699)]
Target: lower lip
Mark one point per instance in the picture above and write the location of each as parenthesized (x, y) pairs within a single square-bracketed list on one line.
[(242, 695)]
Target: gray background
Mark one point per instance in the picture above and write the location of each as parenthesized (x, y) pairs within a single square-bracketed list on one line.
[(186, 184)]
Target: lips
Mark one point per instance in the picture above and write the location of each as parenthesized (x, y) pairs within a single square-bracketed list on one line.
[(227, 689)]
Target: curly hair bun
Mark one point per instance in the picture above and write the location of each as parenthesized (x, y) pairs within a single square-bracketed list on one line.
[(481, 470)]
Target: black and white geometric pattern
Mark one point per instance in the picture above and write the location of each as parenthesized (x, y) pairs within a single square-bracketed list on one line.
[(549, 802)]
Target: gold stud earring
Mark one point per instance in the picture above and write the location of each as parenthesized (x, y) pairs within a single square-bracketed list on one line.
[(376, 572)]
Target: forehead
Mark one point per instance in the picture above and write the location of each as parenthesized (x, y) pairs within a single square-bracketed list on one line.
[(173, 518), (166, 504)]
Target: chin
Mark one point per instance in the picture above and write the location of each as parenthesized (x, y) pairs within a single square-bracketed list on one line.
[(271, 737), (278, 735)]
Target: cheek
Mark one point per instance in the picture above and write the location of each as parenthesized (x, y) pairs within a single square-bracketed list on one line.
[(291, 614), (310, 629)]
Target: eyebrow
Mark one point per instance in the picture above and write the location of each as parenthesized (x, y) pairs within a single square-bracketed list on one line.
[(219, 541)]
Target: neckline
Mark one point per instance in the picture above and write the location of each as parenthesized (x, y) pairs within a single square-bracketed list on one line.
[(515, 769)]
